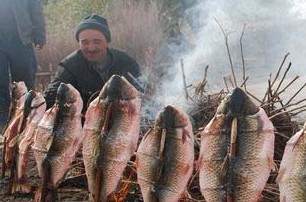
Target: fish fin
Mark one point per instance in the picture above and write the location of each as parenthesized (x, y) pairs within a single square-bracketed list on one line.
[(273, 165), (280, 175)]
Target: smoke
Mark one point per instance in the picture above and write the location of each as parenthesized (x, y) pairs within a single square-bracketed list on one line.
[(272, 29)]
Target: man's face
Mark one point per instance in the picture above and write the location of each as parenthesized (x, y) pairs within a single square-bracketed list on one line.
[(93, 45)]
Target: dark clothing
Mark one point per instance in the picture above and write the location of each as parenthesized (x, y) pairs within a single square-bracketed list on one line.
[(27, 19), (21, 25), (85, 77), (7, 20)]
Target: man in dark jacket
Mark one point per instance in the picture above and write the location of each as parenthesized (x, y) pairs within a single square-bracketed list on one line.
[(90, 67), (22, 25)]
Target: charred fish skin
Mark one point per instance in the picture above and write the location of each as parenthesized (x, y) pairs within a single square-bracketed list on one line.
[(119, 135), (244, 175), (67, 136), (165, 157), (292, 174)]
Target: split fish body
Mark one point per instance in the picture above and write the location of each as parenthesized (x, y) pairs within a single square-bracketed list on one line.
[(67, 136), (165, 157), (118, 137), (35, 113), (237, 171)]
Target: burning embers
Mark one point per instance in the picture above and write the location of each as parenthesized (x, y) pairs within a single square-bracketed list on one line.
[(235, 161)]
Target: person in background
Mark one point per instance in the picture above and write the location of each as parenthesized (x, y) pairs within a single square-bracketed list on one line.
[(88, 68), (22, 25)]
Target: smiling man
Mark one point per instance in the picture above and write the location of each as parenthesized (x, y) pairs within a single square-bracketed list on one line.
[(88, 68)]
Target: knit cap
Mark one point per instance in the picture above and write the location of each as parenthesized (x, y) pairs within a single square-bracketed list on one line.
[(96, 22)]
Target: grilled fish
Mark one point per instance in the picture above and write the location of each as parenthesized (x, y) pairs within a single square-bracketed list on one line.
[(67, 139), (237, 148), (34, 115), (119, 135), (165, 157), (292, 173), (94, 120)]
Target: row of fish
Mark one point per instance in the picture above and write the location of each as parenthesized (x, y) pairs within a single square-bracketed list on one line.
[(235, 161)]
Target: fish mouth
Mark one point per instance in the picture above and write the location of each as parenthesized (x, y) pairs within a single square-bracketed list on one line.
[(237, 104), (65, 95), (172, 117), (118, 88)]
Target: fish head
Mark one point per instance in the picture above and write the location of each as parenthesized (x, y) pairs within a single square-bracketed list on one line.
[(18, 89), (38, 100), (118, 88), (171, 117), (68, 97), (29, 97), (236, 104)]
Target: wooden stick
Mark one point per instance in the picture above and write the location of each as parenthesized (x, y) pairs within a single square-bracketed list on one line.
[(184, 79), (3, 159), (279, 69), (280, 83), (244, 83), (228, 51), (296, 94), (277, 74), (253, 96), (232, 156), (242, 59), (277, 114), (289, 105), (289, 84)]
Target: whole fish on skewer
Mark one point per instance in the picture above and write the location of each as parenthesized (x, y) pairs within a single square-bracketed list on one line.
[(66, 140), (95, 119), (119, 103), (237, 148), (292, 173), (12, 135), (165, 157), (19, 90), (35, 113)]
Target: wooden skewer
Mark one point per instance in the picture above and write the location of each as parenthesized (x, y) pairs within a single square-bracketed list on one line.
[(3, 159)]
